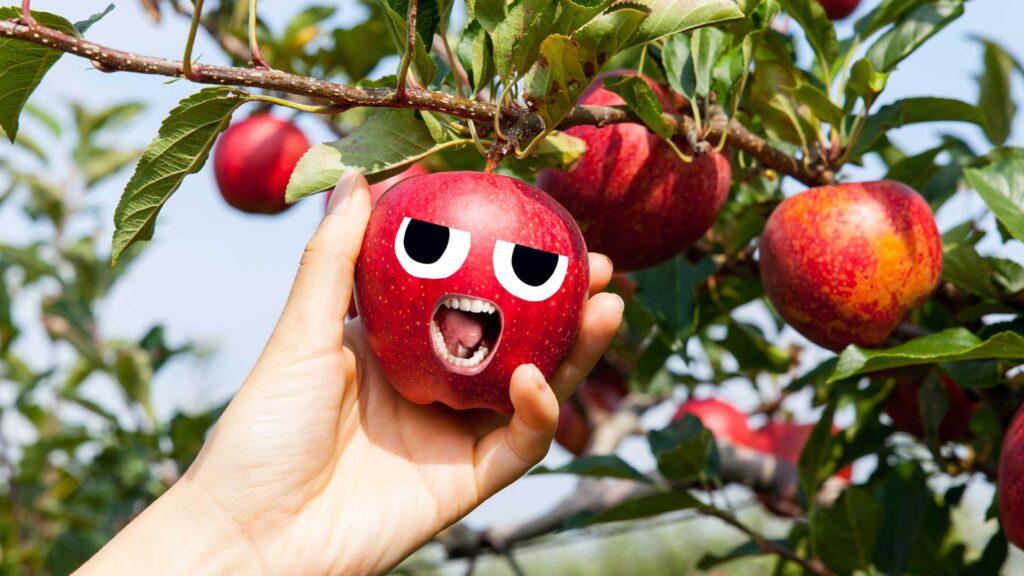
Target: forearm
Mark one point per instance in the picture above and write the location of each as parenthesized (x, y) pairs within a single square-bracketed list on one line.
[(183, 532)]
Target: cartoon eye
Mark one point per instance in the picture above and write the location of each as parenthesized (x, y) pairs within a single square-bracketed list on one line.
[(430, 251), (530, 274)]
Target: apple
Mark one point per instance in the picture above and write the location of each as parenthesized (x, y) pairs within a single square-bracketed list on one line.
[(377, 190), (600, 393), (634, 199), (464, 276), (839, 9), (254, 160), (1011, 481), (786, 441), (723, 420), (843, 264), (904, 408)]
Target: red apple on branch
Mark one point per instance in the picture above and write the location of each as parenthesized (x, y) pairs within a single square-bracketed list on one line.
[(254, 160), (1011, 481), (723, 420), (463, 276), (904, 408), (635, 200), (843, 264), (839, 9)]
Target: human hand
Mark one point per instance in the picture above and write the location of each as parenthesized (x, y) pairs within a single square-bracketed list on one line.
[(318, 466)]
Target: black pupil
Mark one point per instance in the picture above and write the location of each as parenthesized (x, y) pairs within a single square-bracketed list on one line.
[(533, 267), (426, 242)]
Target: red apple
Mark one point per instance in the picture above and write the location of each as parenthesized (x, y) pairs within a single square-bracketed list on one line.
[(254, 160), (723, 420), (601, 393), (904, 407), (635, 200), (377, 190), (839, 9), (1011, 481), (786, 440), (843, 264), (463, 277)]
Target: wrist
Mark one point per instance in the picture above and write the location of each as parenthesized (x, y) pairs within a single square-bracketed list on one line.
[(183, 532)]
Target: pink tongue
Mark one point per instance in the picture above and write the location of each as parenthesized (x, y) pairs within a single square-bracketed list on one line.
[(462, 332)]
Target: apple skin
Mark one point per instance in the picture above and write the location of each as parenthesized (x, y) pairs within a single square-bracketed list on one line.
[(1011, 481), (724, 420), (839, 9), (904, 408), (377, 190), (254, 160), (843, 264), (635, 200), (397, 308), (786, 440), (601, 392)]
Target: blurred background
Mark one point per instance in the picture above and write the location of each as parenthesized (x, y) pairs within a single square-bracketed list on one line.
[(217, 278)]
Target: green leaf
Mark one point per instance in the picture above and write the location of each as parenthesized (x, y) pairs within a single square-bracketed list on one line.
[(864, 81), (905, 497), (818, 458), (706, 46), (605, 466), (914, 111), (555, 83), (679, 71), (1007, 274), (84, 25), (641, 99), (557, 150), (953, 345), (669, 291), (608, 34), (427, 17), (134, 373), (180, 148), (1001, 185), (912, 30), (23, 65), (685, 450), (845, 534), (884, 14), (963, 266), (753, 351), (647, 506), (476, 54), (383, 145), (517, 39), (820, 32), (673, 16), (995, 93), (819, 103), (748, 549)]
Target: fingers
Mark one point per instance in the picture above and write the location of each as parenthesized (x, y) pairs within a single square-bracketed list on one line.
[(601, 319), (322, 290), (508, 452), (600, 272)]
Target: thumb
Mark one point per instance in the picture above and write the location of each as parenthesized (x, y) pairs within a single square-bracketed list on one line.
[(322, 291)]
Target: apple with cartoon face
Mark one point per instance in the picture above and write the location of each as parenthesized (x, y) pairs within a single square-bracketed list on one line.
[(464, 276)]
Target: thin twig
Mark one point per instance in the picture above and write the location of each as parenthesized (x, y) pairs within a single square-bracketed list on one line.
[(26, 14), (186, 63), (410, 49), (254, 42), (416, 98), (812, 566)]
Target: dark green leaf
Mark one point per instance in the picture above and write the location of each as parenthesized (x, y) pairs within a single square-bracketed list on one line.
[(641, 100), (845, 535), (1001, 185), (886, 13), (517, 39), (685, 450), (911, 31), (180, 148), (556, 81), (955, 344), (817, 461), (963, 266), (1007, 274), (669, 291), (746, 550), (821, 34), (672, 16), (23, 65), (476, 54), (914, 111), (753, 351), (605, 466), (84, 25), (678, 62), (995, 93), (386, 143), (427, 17), (647, 506)]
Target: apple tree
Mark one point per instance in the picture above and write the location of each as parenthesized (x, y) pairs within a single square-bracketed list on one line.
[(687, 165)]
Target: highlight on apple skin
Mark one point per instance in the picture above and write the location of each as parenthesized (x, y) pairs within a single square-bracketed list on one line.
[(635, 200), (254, 160), (844, 264), (464, 276)]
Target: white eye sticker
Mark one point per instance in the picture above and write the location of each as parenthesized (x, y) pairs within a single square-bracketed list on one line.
[(430, 251), (531, 274)]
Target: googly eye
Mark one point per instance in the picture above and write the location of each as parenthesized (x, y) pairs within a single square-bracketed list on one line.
[(527, 273), (430, 251)]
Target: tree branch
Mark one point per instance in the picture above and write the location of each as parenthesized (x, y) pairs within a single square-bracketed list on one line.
[(343, 97)]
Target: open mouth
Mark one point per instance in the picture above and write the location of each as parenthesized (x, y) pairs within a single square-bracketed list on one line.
[(465, 332)]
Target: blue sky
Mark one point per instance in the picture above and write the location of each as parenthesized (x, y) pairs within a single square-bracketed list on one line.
[(221, 277)]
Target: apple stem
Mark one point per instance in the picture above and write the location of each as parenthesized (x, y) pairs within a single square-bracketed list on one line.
[(410, 50), (254, 43)]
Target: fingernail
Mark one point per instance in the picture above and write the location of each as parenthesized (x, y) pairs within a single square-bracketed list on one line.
[(342, 192), (609, 261)]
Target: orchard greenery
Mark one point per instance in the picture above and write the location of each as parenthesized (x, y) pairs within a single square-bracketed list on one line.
[(496, 91)]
